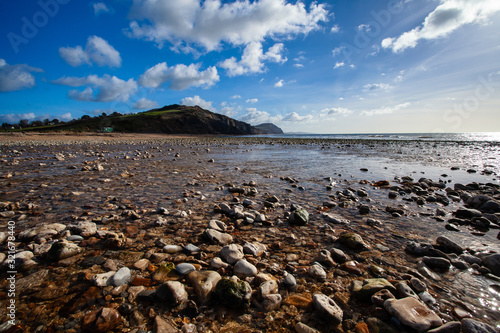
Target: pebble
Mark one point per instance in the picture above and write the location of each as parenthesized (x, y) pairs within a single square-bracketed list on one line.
[(493, 263), (231, 253), (102, 320), (412, 313), (256, 249), (303, 328), (327, 308), (234, 294), (404, 290), (317, 272), (103, 279), (185, 268), (299, 217), (437, 263), (122, 276), (268, 288), (244, 269), (217, 237), (62, 250), (334, 218), (368, 287), (353, 240), (203, 283), (289, 281), (448, 245), (172, 249), (191, 248), (172, 292), (474, 326), (381, 296)]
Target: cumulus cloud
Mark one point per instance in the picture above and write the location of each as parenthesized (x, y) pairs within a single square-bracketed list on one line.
[(252, 100), (294, 117), (256, 117), (97, 50), (335, 111), (385, 110), (376, 86), (15, 118), (445, 19), (253, 58), (99, 89), (180, 76), (339, 64), (208, 23), (279, 84), (197, 100), (100, 8), (145, 104), (16, 77), (335, 29), (235, 97)]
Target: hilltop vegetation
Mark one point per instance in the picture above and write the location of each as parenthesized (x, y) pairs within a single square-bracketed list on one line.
[(172, 119)]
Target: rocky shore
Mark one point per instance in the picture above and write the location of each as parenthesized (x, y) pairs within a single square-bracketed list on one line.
[(228, 235)]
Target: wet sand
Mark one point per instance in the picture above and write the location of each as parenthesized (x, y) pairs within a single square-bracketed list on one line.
[(150, 196)]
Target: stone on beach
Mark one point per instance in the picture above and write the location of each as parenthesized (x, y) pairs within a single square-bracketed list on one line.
[(232, 293), (203, 283), (243, 269), (413, 313), (232, 253), (327, 308)]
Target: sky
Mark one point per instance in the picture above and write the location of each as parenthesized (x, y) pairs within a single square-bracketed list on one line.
[(328, 67)]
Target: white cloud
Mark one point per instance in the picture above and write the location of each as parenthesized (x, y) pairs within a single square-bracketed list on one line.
[(197, 100), (252, 100), (100, 8), (16, 77), (336, 111), (279, 84), (229, 110), (445, 19), (364, 27), (294, 117), (64, 117), (145, 104), (253, 58), (97, 50), (336, 51), (99, 89), (13, 118), (209, 23), (235, 97), (255, 117), (180, 76), (298, 65), (339, 64), (385, 110), (376, 86), (335, 29)]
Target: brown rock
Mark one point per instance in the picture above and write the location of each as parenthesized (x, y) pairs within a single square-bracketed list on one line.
[(102, 320)]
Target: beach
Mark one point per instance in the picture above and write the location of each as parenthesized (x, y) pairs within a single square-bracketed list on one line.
[(134, 232)]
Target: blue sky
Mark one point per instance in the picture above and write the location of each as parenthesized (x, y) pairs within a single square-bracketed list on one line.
[(357, 66)]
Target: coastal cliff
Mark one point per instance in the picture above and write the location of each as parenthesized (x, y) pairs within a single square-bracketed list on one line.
[(172, 119)]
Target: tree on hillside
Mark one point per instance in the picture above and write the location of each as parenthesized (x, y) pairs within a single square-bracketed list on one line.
[(24, 123)]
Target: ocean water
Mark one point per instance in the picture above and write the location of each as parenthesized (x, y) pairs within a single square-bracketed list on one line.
[(458, 137)]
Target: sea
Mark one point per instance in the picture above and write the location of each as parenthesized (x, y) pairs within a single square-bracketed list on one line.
[(458, 137)]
